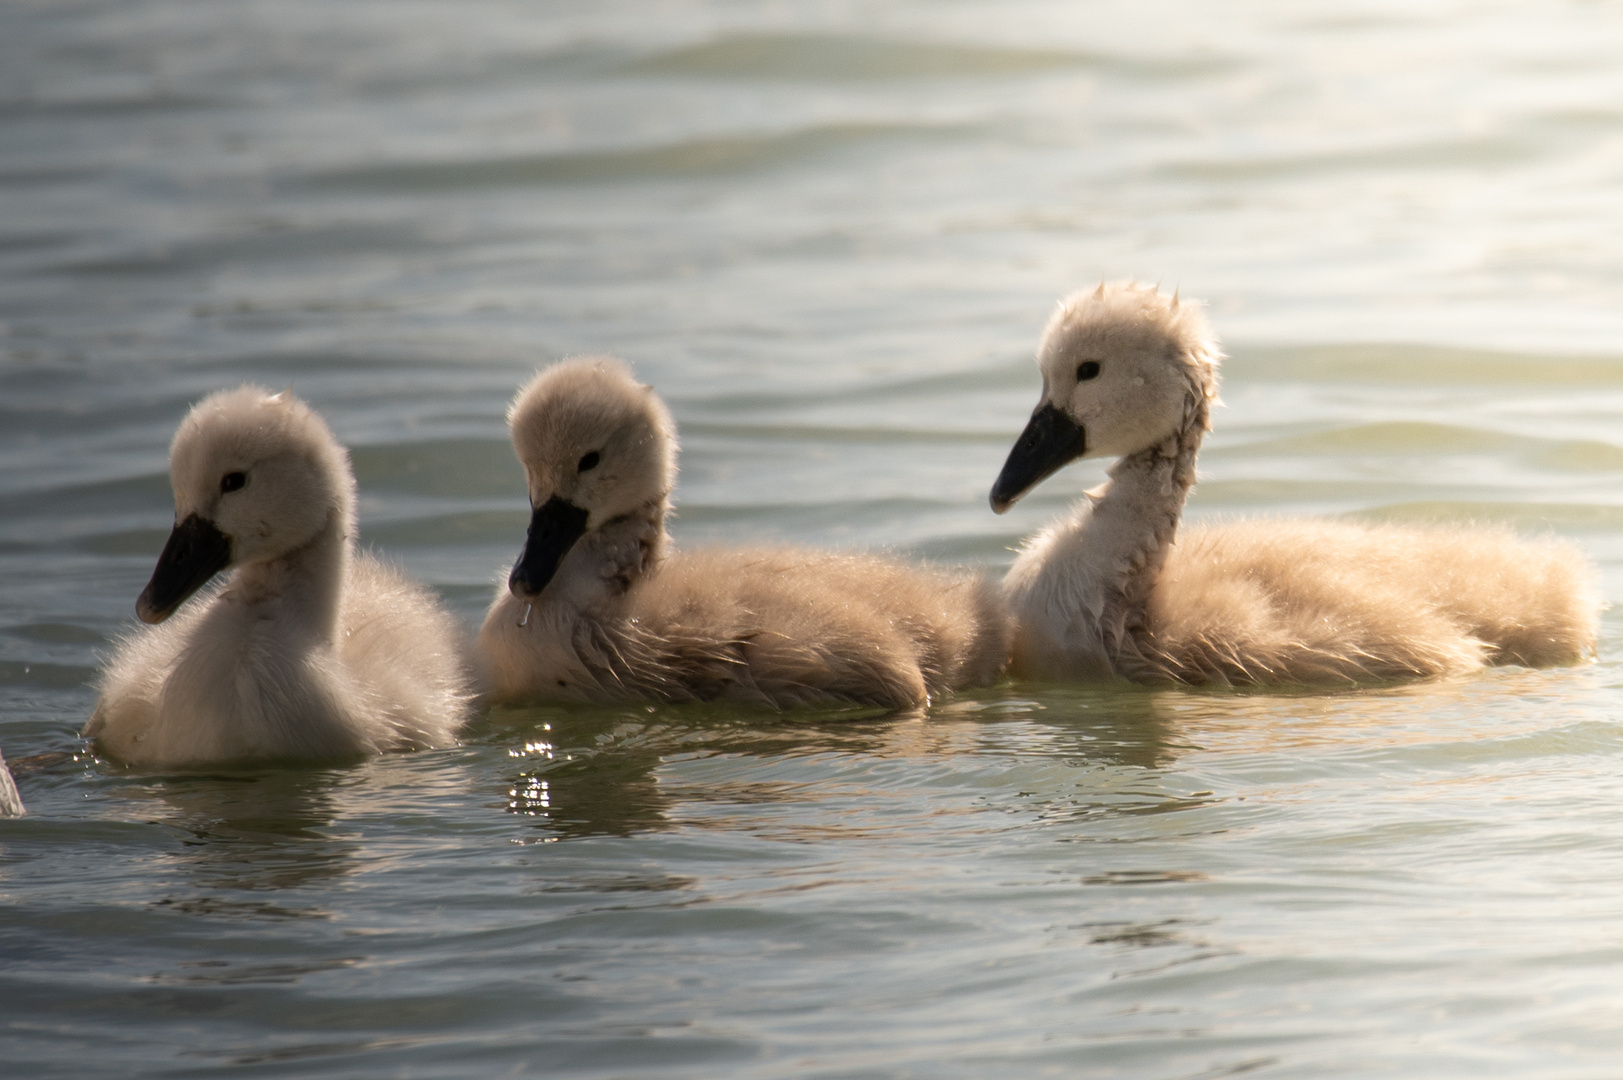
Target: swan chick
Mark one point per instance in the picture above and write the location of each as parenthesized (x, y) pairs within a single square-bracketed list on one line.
[(1115, 589), (599, 609), (307, 649), (11, 803)]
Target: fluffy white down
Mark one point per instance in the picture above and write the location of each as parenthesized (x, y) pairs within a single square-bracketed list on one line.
[(306, 649), (1114, 589), (11, 803), (622, 618)]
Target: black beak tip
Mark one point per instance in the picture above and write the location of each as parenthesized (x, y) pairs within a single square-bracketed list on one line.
[(518, 583), (555, 525), (1051, 440), (195, 552)]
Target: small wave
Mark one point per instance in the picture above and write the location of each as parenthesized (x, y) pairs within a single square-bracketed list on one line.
[(56, 676), (258, 248), (464, 468), (843, 56), (789, 432), (1466, 153), (1565, 517), (1406, 364), (47, 175), (1392, 437), (1015, 374), (144, 542), (57, 633), (446, 530), (1409, 437), (109, 106), (707, 156), (143, 492)]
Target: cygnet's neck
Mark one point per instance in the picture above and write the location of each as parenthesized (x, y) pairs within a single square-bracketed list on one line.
[(609, 560), (1135, 516), (303, 587)]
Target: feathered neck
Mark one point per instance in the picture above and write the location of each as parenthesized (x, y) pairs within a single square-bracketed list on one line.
[(609, 561), (1141, 506), (641, 543), (306, 585)]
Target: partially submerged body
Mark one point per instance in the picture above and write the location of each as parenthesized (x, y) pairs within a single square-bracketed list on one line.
[(237, 678), (774, 627), (308, 650), (597, 610), (1256, 602), (1115, 589)]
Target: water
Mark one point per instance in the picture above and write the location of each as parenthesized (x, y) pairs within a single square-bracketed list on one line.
[(829, 233)]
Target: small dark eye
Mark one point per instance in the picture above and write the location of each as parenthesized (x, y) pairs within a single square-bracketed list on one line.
[(1089, 369), (233, 481), (589, 462)]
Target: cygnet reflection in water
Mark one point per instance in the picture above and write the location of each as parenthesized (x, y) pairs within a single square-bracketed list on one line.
[(1114, 589), (252, 834), (309, 650), (597, 608), (624, 771)]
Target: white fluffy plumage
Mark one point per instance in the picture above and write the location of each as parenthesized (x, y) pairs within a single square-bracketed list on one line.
[(1114, 589), (11, 803), (308, 649)]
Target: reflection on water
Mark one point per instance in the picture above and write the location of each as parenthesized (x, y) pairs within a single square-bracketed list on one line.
[(581, 776), (587, 772), (1067, 755), (253, 833)]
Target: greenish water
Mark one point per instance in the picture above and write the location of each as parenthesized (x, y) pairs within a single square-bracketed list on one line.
[(829, 234)]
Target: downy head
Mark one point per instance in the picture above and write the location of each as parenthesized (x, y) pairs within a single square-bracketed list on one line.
[(1124, 368), (256, 476), (596, 445)]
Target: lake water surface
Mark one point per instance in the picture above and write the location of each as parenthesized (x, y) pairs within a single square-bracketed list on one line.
[(829, 233)]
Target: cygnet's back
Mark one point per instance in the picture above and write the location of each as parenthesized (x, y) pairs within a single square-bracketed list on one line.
[(597, 609), (1322, 601), (308, 650)]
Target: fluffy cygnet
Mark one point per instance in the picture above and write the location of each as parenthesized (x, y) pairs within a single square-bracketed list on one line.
[(1129, 373), (308, 650), (597, 608), (11, 803)]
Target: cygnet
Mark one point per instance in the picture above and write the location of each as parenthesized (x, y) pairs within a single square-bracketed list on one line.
[(1115, 589), (308, 650), (11, 803), (599, 609)]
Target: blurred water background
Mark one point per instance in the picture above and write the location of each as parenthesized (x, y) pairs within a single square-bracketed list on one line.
[(829, 233)]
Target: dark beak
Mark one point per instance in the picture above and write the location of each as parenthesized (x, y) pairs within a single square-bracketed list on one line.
[(196, 551), (1050, 441), (555, 525)]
